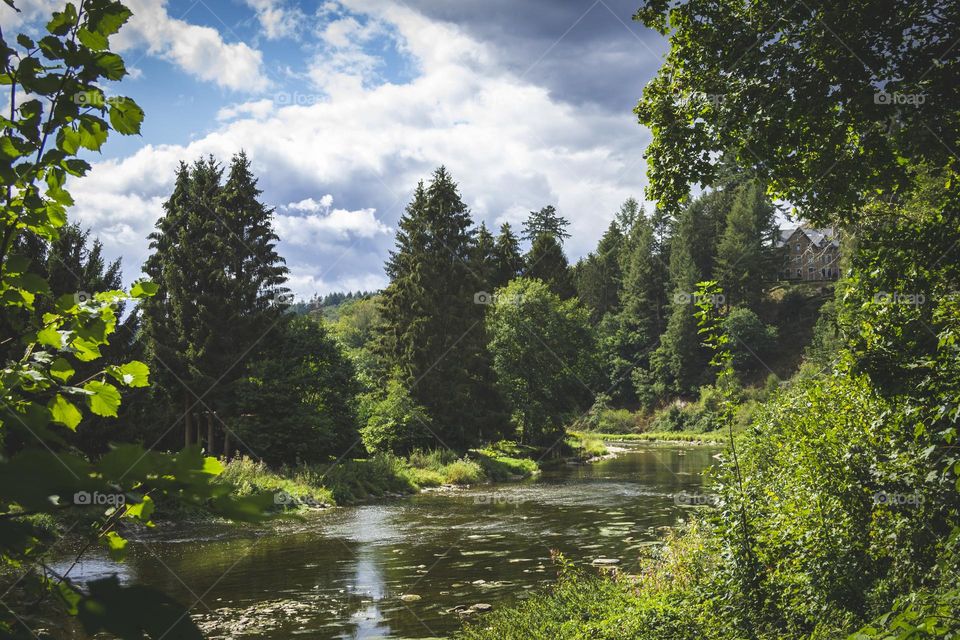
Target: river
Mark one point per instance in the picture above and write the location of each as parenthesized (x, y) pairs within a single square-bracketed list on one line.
[(398, 568)]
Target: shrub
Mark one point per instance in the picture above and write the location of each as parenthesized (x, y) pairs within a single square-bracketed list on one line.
[(463, 472), (618, 421)]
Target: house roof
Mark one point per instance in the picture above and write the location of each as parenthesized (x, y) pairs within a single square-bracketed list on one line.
[(818, 237)]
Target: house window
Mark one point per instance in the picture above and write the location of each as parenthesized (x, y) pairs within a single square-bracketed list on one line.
[(810, 270), (823, 273), (799, 273)]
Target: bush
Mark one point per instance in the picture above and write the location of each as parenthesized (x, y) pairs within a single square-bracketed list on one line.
[(463, 472), (618, 421), (393, 422), (751, 341)]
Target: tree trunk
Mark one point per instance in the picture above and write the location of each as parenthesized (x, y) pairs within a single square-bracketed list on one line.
[(211, 443), (187, 424), (226, 442)]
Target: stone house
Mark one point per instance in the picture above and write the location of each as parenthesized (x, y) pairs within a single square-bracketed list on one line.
[(809, 254)]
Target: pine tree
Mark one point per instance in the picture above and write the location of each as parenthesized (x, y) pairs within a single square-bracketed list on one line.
[(483, 265), (547, 262), (218, 276), (744, 254), (430, 316), (629, 214), (546, 221), (599, 275), (679, 362), (507, 256)]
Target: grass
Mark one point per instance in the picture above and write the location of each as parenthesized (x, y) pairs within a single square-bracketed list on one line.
[(586, 445), (353, 481), (664, 436)]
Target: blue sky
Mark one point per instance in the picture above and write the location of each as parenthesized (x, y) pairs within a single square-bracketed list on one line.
[(343, 105)]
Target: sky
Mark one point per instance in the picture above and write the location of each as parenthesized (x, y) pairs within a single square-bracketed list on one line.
[(344, 105)]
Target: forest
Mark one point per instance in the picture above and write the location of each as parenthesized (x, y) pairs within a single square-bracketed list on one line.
[(205, 392)]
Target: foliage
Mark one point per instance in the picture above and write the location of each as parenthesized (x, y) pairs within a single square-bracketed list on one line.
[(746, 253), (869, 81), (751, 341), (543, 352), (598, 276), (430, 314), (546, 262), (56, 109), (394, 422), (546, 221), (298, 400), (214, 264)]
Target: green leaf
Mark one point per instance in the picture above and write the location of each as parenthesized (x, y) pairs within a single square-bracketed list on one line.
[(50, 337), (61, 370), (94, 41), (92, 134), (131, 374), (104, 399), (141, 510), (112, 66), (144, 289), (116, 546), (126, 116), (63, 411)]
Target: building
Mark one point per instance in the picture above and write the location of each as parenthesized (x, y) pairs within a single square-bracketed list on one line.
[(809, 254)]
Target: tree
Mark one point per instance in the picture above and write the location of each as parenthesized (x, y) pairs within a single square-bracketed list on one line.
[(546, 221), (678, 364), (482, 260), (547, 262), (56, 107), (599, 275), (870, 81), (215, 264), (306, 375), (430, 313), (745, 254), (630, 212), (507, 256), (751, 342), (543, 350), (394, 422)]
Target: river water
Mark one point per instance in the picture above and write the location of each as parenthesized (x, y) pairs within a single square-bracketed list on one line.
[(400, 567)]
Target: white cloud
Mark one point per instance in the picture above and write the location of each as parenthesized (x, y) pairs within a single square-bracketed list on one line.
[(511, 146), (200, 51), (277, 18), (323, 225)]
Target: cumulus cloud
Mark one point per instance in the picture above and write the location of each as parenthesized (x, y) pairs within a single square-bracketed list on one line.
[(510, 143), (200, 51), (277, 18), (323, 225)]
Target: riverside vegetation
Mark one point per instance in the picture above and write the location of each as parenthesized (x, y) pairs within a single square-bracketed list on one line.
[(834, 510)]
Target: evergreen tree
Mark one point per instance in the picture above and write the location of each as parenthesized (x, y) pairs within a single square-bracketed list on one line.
[(546, 221), (507, 256), (547, 262), (598, 277), (220, 285), (630, 212), (679, 363), (483, 265), (429, 312), (745, 251)]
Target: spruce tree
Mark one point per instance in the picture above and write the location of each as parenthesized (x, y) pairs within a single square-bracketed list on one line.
[(546, 221), (482, 261), (598, 278), (547, 262), (744, 253), (430, 315), (507, 256), (218, 277)]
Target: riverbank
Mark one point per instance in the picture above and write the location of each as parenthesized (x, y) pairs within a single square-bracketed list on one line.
[(678, 437)]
